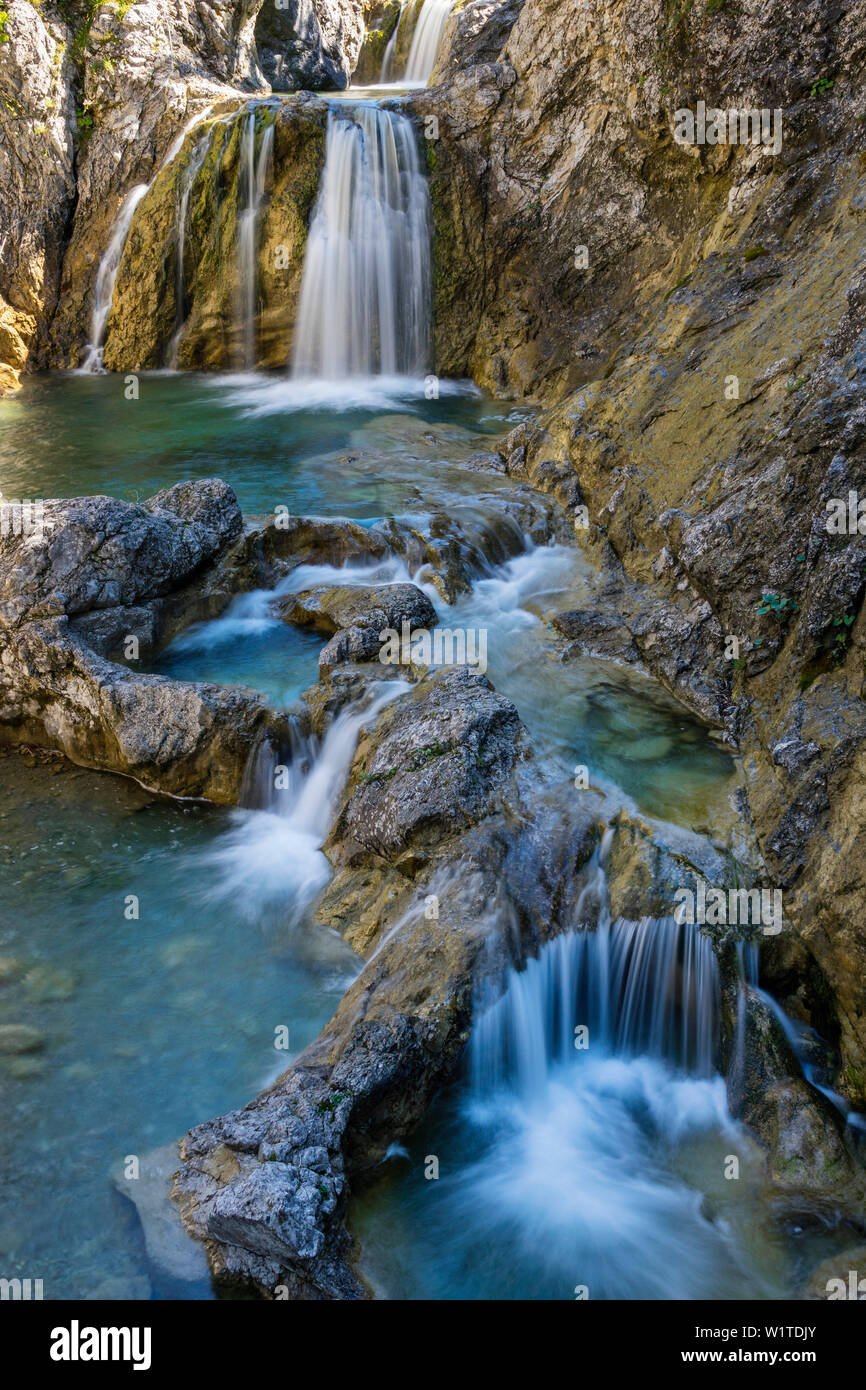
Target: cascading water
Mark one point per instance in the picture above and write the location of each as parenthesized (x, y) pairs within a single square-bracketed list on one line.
[(190, 174), (426, 40), (388, 57), (252, 179), (272, 857), (647, 988), (365, 297), (110, 264), (585, 1156), (106, 276)]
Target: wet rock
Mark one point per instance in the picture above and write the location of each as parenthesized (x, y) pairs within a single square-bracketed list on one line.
[(313, 46), (373, 606), (485, 463), (839, 1277), (357, 617), (444, 751), (800, 1128), (100, 555), (595, 634), (16, 1038), (150, 324)]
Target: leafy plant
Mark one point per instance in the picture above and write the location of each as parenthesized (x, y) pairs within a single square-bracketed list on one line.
[(822, 85), (840, 631), (4, 31), (777, 607)]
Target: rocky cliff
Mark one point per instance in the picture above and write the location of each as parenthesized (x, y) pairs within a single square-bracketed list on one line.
[(697, 313)]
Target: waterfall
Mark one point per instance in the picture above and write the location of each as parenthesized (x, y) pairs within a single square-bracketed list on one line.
[(365, 296), (190, 175), (252, 177), (388, 58), (110, 264), (426, 40), (106, 276), (565, 1168), (423, 51), (272, 857), (647, 988)]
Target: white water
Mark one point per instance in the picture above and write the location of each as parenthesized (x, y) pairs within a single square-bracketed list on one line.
[(190, 174), (647, 988), (271, 859), (426, 40), (576, 1159), (106, 276), (252, 178), (388, 58), (365, 297)]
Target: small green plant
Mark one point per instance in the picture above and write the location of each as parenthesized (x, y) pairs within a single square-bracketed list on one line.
[(716, 6), (774, 605), (819, 87), (330, 1103), (840, 631), (84, 119), (4, 30), (753, 253)]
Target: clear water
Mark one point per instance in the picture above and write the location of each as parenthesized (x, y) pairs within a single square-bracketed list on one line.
[(148, 1025), (154, 1025), (246, 646), (362, 451)]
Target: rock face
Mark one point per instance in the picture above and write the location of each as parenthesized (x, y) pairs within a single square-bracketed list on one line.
[(178, 296), (698, 312), (143, 73), (309, 43), (95, 574), (37, 178), (800, 1128), (556, 133)]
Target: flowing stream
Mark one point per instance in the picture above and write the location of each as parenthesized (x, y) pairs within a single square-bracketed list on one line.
[(584, 1147)]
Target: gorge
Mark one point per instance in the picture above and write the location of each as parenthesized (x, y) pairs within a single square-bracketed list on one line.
[(320, 323)]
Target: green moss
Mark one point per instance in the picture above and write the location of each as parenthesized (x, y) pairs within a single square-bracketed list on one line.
[(753, 253), (330, 1103)]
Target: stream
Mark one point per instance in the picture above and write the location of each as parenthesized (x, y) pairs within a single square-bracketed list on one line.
[(168, 953)]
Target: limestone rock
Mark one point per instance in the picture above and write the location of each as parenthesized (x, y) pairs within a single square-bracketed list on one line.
[(37, 179)]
